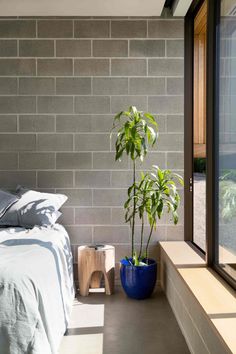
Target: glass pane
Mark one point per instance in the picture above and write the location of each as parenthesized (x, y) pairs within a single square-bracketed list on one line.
[(227, 139), (199, 129)]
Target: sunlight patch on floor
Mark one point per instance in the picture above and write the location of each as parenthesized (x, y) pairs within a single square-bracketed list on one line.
[(86, 315), (82, 344)]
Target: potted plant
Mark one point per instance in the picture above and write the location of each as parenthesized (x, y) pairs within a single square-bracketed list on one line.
[(149, 198)]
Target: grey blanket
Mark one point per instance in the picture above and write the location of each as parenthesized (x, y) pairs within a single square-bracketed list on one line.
[(36, 289)]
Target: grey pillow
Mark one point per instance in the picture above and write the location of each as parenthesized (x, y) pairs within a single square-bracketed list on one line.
[(7, 199), (34, 208)]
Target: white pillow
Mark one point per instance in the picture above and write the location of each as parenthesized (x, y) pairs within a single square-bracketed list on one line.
[(34, 208)]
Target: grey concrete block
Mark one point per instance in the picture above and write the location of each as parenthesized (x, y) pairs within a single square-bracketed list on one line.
[(161, 121), (92, 142), (158, 235), (73, 48), (92, 179), (118, 216), (77, 197), (55, 28), (101, 123), (91, 67), (175, 48), (36, 86), (55, 179), (109, 197), (175, 123), (91, 29), (67, 217), (166, 104), (170, 142), (17, 28), (8, 161), (110, 86), (92, 216), (128, 67), (122, 251), (17, 67), (73, 160), (55, 67), (92, 104), (36, 161), (55, 142), (73, 86), (175, 233), (36, 48), (166, 28), (128, 29), (106, 161), (17, 104), (147, 48), (55, 104), (147, 86), (8, 123), (17, 142), (121, 179), (8, 48), (36, 123), (10, 179), (73, 123), (8, 86), (111, 234), (110, 48), (166, 67), (175, 160), (120, 103), (175, 86), (153, 158), (80, 234)]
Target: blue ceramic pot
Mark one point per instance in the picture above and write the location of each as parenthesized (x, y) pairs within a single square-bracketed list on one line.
[(138, 282)]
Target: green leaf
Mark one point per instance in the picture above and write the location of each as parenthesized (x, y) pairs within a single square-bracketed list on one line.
[(151, 119)]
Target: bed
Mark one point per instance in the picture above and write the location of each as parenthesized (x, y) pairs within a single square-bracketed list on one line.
[(36, 289)]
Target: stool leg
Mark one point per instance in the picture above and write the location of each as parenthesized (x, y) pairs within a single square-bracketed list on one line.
[(84, 282), (109, 281)]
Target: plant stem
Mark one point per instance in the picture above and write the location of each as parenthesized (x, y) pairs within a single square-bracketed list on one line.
[(134, 207), (141, 245), (149, 238)]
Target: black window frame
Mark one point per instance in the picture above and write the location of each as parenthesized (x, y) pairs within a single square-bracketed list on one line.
[(188, 120), (212, 143)]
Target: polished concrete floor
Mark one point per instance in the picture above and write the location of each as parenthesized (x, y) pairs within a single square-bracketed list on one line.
[(114, 324)]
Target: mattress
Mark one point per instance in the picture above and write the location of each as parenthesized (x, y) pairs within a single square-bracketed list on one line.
[(36, 289)]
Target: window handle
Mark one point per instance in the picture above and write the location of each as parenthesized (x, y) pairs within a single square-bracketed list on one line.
[(190, 184)]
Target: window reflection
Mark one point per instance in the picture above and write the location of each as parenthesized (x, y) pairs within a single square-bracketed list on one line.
[(227, 139)]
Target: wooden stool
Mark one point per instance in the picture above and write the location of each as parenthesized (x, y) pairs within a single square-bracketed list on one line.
[(93, 262)]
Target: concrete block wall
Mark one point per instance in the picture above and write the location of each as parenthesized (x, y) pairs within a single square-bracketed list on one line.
[(61, 83)]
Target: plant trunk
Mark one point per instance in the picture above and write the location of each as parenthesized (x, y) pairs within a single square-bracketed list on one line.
[(149, 238), (141, 245), (134, 208)]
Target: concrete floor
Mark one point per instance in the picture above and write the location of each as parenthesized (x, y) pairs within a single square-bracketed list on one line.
[(114, 324)]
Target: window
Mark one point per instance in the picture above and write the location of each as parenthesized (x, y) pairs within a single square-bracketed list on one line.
[(226, 149), (210, 132)]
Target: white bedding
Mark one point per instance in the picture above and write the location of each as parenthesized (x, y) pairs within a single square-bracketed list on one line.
[(36, 289)]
